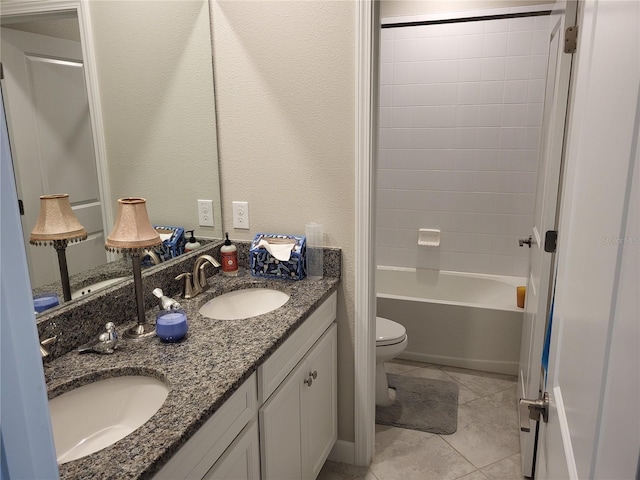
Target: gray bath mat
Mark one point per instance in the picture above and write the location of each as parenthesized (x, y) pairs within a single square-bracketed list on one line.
[(421, 404)]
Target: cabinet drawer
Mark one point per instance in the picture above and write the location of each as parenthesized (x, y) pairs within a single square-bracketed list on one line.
[(203, 449), (272, 372)]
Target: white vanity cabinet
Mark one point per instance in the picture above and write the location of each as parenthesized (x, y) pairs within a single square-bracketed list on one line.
[(298, 421), (298, 424), (223, 442), (281, 423)]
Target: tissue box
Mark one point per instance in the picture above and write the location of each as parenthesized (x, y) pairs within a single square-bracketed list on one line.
[(173, 246), (263, 264)]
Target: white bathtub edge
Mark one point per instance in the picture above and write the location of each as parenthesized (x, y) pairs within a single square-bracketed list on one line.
[(507, 368)]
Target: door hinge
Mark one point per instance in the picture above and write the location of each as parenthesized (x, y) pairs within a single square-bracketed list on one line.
[(550, 241), (21, 206), (571, 39)]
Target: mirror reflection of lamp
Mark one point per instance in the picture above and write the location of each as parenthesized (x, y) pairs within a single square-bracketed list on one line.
[(58, 226), (133, 233)]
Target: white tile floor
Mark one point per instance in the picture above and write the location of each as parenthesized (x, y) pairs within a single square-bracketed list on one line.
[(486, 445)]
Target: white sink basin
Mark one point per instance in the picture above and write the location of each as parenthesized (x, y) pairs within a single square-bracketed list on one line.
[(94, 416), (243, 303), (94, 287)]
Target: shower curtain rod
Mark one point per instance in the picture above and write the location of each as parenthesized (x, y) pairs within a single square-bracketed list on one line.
[(467, 19)]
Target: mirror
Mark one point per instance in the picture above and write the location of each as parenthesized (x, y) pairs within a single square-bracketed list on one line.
[(145, 72)]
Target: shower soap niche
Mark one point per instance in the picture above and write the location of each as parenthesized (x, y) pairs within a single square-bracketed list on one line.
[(429, 237)]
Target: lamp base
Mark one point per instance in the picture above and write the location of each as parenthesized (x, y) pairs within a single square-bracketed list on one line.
[(140, 330)]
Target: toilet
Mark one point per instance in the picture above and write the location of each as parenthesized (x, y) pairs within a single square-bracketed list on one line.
[(391, 340)]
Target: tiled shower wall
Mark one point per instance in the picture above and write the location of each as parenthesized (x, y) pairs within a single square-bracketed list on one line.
[(461, 108)]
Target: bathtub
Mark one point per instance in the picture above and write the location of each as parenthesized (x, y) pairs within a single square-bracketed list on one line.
[(464, 320)]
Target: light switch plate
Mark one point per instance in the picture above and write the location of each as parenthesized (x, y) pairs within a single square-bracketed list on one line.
[(241, 215), (205, 213)]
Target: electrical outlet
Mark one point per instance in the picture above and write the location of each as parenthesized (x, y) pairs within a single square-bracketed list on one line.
[(205, 213), (241, 215)]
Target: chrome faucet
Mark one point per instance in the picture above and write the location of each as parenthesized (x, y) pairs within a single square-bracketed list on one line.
[(43, 351), (153, 256), (106, 342), (195, 283)]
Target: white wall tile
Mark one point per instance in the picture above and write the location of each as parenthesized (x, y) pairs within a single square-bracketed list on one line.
[(466, 115), (404, 50), (458, 136), (403, 73), (488, 137), (536, 91), (492, 92), (518, 68), (470, 70), (534, 115), (490, 115), (516, 91), (436, 94), (436, 116), (403, 95), (436, 71), (402, 117), (470, 46), (520, 43), (540, 43), (511, 138), (521, 24), (538, 67), (493, 68), (492, 26), (514, 115), (494, 45), (384, 119), (468, 93), (386, 51), (386, 95)]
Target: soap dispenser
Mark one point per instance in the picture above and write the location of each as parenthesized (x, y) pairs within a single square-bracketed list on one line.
[(229, 258), (192, 243)]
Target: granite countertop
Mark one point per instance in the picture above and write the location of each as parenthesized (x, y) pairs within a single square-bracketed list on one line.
[(202, 371)]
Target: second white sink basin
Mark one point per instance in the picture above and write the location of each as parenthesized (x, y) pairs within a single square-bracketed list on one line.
[(94, 416), (94, 287), (245, 303)]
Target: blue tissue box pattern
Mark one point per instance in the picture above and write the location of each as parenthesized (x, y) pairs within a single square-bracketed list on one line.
[(263, 264)]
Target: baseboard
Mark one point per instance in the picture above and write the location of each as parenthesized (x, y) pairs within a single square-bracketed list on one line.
[(508, 368), (343, 452)]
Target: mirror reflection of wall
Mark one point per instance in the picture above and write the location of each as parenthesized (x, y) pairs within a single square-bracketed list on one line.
[(51, 137), (154, 84)]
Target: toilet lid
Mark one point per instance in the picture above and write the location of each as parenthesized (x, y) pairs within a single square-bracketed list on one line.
[(388, 332)]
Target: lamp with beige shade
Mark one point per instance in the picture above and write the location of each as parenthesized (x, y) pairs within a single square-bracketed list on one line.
[(57, 225), (133, 233)]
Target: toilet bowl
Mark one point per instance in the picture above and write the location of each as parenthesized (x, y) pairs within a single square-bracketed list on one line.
[(391, 340)]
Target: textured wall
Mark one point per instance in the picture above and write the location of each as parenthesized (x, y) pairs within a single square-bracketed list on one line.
[(285, 92), (156, 88)]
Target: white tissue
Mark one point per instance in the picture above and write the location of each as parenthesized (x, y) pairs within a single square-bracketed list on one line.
[(280, 251), (165, 236)]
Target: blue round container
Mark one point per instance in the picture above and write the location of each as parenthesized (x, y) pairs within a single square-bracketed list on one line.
[(171, 325), (45, 301)]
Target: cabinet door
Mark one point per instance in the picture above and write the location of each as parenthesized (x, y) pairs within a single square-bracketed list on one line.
[(280, 442), (319, 420), (241, 461)]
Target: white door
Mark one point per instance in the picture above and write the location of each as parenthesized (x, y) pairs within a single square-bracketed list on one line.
[(541, 262), (593, 430), (52, 143)]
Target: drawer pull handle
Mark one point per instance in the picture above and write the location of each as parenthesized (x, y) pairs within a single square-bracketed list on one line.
[(308, 381), (314, 374)]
